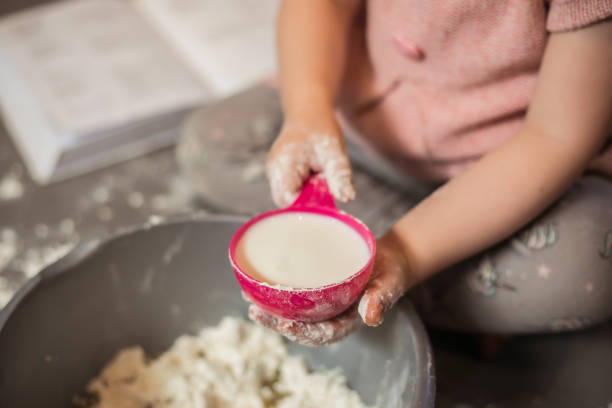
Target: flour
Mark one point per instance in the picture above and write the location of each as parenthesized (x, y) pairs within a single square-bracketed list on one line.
[(101, 194), (309, 334), (362, 309), (334, 164), (41, 231), (6, 291), (37, 258), (105, 213), (8, 246), (234, 364), (179, 197), (29, 262), (67, 226), (11, 188), (8, 251), (135, 199)]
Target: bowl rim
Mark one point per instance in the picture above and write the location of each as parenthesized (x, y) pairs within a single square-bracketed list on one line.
[(333, 213), (425, 387)]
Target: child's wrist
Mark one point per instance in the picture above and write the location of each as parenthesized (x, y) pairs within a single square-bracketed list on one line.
[(307, 103), (311, 121), (406, 257)]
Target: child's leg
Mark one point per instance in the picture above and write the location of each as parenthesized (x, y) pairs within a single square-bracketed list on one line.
[(555, 275)]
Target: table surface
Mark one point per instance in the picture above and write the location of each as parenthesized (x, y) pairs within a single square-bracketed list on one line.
[(40, 223)]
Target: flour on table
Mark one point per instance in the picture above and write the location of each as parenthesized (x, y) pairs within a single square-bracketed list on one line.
[(37, 258), (29, 262), (235, 364), (135, 199), (11, 188), (6, 291), (8, 246)]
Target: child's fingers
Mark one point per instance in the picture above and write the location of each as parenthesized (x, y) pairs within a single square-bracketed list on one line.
[(263, 318), (381, 293), (372, 307), (321, 333), (309, 334), (287, 169), (333, 162)]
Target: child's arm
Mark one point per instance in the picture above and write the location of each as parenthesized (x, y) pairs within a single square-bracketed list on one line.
[(312, 41), (567, 123)]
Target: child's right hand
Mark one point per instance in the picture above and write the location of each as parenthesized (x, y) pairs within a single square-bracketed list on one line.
[(311, 144)]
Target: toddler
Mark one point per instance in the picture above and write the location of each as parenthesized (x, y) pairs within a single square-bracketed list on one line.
[(508, 104)]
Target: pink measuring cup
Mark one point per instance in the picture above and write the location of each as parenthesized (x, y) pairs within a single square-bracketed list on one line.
[(307, 304)]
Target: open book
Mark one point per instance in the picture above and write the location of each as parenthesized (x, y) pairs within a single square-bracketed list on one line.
[(87, 83)]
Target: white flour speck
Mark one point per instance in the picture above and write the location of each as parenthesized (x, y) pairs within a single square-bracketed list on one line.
[(41, 231), (155, 219), (105, 214), (67, 226), (135, 199), (101, 194), (252, 171), (11, 187), (36, 259), (6, 292), (177, 198), (160, 202), (8, 246)]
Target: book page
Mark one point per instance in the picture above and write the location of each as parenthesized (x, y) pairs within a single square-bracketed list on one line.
[(229, 43), (96, 64)]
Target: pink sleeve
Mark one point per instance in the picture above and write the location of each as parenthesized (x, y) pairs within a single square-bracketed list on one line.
[(565, 15)]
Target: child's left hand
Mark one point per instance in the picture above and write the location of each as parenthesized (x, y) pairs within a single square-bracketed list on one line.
[(390, 279)]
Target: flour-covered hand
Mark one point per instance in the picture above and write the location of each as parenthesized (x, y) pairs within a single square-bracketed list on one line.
[(310, 334), (314, 145)]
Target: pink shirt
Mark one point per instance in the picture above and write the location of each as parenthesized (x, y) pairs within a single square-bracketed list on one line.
[(435, 84)]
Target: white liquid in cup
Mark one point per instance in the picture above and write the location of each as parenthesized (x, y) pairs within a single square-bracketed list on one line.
[(301, 250)]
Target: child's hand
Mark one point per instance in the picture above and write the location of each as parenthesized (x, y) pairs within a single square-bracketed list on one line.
[(390, 280), (310, 334), (312, 144)]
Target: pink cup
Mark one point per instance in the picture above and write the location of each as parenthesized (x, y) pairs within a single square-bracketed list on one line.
[(307, 304)]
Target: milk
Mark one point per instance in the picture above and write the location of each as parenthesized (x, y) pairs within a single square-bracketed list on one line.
[(301, 250)]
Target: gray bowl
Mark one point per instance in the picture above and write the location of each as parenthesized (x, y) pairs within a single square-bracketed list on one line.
[(153, 284)]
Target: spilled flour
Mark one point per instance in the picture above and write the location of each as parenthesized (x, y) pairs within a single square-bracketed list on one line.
[(11, 188), (37, 258), (235, 364)]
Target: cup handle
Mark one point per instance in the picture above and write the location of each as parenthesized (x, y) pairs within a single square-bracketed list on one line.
[(315, 193)]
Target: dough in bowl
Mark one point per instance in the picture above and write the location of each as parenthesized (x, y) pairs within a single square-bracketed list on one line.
[(234, 364)]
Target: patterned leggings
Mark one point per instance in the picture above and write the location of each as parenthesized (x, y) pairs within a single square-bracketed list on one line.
[(555, 275)]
